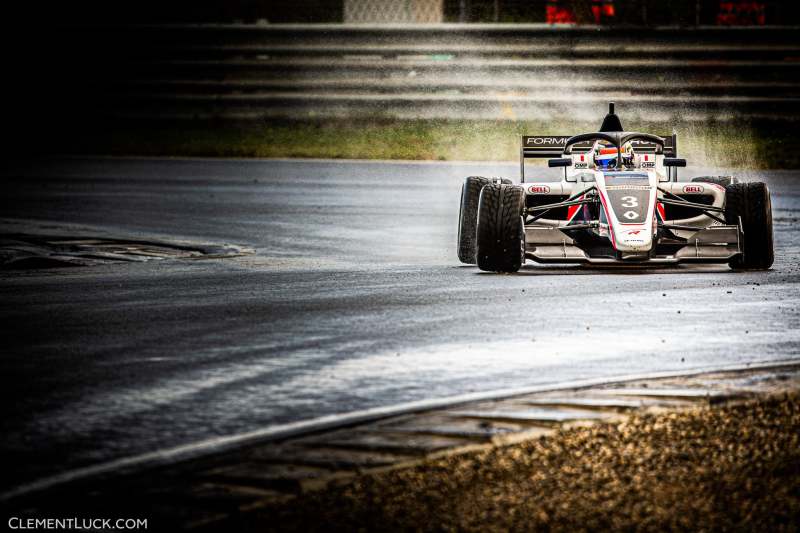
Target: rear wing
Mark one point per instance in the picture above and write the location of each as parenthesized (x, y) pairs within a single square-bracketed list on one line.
[(551, 146)]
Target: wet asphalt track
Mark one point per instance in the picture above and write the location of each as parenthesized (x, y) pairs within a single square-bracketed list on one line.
[(354, 299)]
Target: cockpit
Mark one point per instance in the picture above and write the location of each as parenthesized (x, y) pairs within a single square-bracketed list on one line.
[(605, 155)]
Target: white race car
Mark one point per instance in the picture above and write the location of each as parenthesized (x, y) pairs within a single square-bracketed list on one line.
[(619, 202)]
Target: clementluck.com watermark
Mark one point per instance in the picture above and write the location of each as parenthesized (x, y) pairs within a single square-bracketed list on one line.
[(90, 524)]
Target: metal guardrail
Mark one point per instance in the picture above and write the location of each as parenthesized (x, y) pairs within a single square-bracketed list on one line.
[(446, 71)]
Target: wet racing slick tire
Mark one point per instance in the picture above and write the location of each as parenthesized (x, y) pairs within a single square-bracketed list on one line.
[(750, 203), (501, 231), (468, 217), (717, 180)]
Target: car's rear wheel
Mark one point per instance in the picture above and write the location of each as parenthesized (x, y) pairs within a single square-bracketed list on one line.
[(468, 217), (501, 230), (749, 205)]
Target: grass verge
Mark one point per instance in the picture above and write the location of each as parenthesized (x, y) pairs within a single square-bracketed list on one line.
[(751, 145), (735, 467)]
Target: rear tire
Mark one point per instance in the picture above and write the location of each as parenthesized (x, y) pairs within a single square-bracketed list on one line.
[(750, 203), (717, 180), (468, 217), (501, 231)]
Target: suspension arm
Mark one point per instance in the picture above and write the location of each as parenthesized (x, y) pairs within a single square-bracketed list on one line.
[(674, 199), (678, 227), (567, 203), (588, 225), (572, 200), (684, 203)]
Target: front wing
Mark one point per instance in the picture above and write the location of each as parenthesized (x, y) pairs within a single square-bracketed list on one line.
[(714, 244)]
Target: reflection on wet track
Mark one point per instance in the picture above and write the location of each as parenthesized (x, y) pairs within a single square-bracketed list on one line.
[(353, 299)]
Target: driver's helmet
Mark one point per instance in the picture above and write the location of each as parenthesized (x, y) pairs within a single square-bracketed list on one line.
[(605, 156)]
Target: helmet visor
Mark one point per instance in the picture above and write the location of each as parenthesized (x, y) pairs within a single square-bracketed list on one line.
[(607, 163)]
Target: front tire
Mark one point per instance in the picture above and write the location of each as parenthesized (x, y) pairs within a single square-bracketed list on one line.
[(468, 216), (749, 204), (501, 231)]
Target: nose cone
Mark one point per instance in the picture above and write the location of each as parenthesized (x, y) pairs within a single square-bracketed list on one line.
[(629, 199), (634, 240)]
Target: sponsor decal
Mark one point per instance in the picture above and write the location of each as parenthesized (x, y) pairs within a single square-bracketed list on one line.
[(546, 141), (648, 164), (581, 165), (633, 231), (539, 189), (693, 189)]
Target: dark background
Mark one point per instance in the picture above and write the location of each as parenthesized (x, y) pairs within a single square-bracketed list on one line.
[(63, 59), (628, 12)]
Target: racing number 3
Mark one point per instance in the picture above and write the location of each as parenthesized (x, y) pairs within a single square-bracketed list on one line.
[(630, 201)]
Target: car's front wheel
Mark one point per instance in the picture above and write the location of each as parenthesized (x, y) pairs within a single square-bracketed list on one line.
[(749, 205), (468, 217), (501, 229)]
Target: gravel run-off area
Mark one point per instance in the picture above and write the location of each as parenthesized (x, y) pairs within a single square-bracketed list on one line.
[(733, 467)]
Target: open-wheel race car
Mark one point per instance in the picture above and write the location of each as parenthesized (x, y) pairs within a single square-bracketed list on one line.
[(618, 202)]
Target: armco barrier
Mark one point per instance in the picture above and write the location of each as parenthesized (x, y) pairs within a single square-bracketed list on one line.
[(432, 71)]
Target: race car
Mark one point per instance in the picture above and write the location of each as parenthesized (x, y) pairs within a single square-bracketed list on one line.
[(618, 202)]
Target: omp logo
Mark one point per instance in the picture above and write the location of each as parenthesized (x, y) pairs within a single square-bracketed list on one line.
[(548, 141), (693, 189), (538, 189)]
